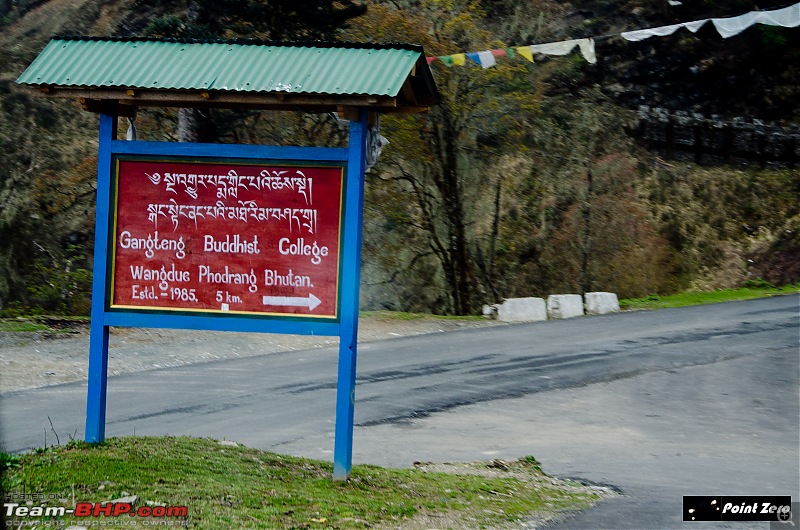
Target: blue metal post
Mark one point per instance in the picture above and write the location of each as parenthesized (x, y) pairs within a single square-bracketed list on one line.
[(351, 277), (98, 335)]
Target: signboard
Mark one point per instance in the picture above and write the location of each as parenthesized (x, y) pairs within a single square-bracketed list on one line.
[(230, 236)]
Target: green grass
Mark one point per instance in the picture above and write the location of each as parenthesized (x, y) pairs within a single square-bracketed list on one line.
[(655, 301), (20, 325), (43, 323), (239, 487)]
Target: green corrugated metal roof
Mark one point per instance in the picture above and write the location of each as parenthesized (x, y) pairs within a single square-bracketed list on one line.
[(313, 68)]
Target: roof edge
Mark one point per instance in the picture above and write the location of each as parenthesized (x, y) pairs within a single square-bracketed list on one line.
[(251, 42)]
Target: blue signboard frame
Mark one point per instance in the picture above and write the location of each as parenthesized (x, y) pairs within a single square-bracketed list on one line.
[(346, 328)]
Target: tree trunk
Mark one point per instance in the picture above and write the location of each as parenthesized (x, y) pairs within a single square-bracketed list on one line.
[(196, 125), (585, 280), (447, 177), (493, 240)]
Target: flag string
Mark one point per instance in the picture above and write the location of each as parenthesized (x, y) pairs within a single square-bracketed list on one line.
[(787, 16)]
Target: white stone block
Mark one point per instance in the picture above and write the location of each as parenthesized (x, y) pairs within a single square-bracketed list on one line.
[(522, 310), (601, 303), (490, 311), (564, 305)]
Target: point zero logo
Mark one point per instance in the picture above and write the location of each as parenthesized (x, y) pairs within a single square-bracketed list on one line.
[(737, 508)]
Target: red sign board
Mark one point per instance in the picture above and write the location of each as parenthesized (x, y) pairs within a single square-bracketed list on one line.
[(227, 236)]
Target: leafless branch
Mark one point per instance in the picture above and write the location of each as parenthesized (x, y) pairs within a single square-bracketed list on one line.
[(58, 442)]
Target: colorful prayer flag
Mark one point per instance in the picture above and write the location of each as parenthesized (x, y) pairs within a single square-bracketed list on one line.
[(525, 51), (486, 59)]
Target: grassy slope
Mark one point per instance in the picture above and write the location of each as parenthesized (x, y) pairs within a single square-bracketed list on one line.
[(699, 298), (237, 487)]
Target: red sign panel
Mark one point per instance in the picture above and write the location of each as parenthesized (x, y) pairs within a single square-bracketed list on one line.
[(227, 237)]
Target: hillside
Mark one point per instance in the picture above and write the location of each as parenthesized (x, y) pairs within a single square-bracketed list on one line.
[(529, 179)]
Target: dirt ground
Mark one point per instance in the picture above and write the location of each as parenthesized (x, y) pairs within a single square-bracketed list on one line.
[(42, 358)]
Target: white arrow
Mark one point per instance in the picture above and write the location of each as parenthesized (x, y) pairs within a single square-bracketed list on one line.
[(311, 302)]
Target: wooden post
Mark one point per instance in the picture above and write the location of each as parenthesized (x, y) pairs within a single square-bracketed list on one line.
[(698, 142), (727, 142), (98, 335), (670, 135), (351, 277)]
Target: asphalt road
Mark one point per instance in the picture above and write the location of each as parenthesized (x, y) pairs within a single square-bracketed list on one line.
[(659, 404)]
